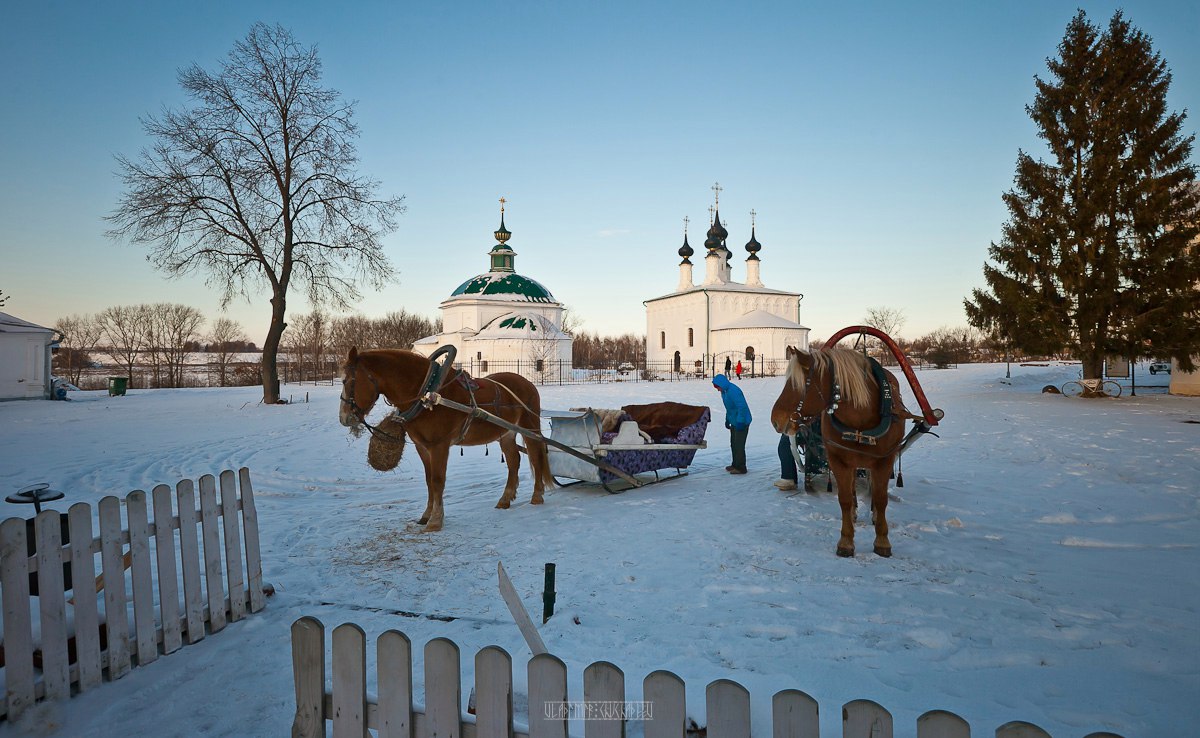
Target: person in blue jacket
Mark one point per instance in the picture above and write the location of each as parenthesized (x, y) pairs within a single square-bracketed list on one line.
[(737, 420)]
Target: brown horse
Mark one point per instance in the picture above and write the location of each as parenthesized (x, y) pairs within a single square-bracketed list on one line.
[(840, 385), (400, 375)]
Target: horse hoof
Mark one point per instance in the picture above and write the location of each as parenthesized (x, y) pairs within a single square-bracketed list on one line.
[(432, 528), (422, 521), (502, 505), (884, 552), (845, 553), (536, 501)]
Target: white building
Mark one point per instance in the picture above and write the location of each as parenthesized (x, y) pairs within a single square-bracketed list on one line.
[(696, 327), (24, 359), (503, 321)]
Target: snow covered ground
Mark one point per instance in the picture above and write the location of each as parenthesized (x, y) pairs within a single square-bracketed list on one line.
[(1045, 562)]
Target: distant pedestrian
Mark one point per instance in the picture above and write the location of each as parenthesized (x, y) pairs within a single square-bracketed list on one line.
[(728, 368), (737, 420), (739, 370)]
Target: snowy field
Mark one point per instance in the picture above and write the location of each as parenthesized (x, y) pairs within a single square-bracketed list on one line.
[(1045, 562)]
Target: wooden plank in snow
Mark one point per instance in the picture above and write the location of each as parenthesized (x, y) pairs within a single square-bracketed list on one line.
[(18, 625), (666, 698), (604, 698), (443, 689), (349, 682), (116, 620), (87, 617), (794, 714), (493, 693), (1020, 729), (942, 724), (189, 555), (143, 581), (168, 578), (394, 667), (56, 675), (308, 672), (254, 575), (213, 582), (866, 718), (547, 697), (728, 708), (233, 546)]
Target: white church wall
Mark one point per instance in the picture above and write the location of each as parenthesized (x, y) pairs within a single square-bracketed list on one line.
[(673, 317)]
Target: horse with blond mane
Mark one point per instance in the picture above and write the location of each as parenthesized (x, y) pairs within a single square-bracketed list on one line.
[(862, 426), (404, 378)]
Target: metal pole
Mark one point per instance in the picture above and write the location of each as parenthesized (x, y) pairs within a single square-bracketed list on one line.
[(548, 594)]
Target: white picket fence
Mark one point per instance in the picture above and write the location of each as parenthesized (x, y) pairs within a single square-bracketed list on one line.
[(216, 558), (393, 714)]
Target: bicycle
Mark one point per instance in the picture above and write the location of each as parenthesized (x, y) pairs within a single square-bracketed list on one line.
[(1092, 388)]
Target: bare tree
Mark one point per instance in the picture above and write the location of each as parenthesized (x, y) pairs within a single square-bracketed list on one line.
[(172, 328), (255, 184), (124, 328), (224, 339), (890, 321), (80, 334)]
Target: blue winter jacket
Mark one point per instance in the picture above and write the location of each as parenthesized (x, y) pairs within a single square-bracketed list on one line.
[(737, 412)]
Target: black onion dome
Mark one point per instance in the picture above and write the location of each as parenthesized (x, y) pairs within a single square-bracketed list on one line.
[(502, 234), (716, 233), (753, 246), (685, 250)]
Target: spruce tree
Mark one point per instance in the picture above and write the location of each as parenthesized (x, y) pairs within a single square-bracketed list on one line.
[(1100, 254)]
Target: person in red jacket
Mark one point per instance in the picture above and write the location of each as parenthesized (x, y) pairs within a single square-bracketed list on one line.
[(739, 370)]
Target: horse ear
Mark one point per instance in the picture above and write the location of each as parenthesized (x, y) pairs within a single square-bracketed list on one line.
[(353, 354)]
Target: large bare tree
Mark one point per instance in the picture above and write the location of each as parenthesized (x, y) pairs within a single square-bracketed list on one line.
[(255, 184)]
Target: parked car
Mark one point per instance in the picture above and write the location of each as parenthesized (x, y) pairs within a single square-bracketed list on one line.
[(1160, 366)]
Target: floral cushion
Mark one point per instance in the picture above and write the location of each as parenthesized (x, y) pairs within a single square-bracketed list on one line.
[(636, 462)]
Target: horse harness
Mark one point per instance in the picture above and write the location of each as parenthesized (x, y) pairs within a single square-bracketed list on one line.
[(868, 437), (433, 382)]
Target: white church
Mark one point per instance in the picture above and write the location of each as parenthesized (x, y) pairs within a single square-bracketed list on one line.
[(502, 321), (698, 326)]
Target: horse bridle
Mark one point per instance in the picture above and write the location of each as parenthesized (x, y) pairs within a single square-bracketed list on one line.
[(835, 392), (433, 380)]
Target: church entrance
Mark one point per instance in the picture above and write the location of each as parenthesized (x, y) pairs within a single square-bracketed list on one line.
[(677, 362)]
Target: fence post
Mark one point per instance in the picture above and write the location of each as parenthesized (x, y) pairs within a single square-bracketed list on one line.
[(728, 708), (87, 617), (942, 724), (493, 693), (308, 672), (604, 683), (18, 625), (394, 667), (665, 694), (794, 714), (443, 689), (864, 717), (349, 681), (547, 697)]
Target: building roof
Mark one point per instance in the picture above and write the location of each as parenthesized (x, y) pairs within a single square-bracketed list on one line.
[(521, 325), (504, 286), (759, 319), (13, 324), (725, 287)]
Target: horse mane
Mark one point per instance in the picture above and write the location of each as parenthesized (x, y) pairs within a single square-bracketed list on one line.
[(851, 367)]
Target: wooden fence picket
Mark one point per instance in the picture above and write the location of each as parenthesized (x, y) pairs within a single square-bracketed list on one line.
[(212, 553), (67, 652), (56, 674), (142, 578), (865, 718), (87, 614), (1020, 729), (394, 662), (233, 547), (116, 619), (254, 575), (189, 555), (942, 724), (308, 672), (443, 689), (493, 693), (728, 708), (168, 580), (666, 698), (349, 681), (794, 714), (547, 697), (18, 623), (604, 698)]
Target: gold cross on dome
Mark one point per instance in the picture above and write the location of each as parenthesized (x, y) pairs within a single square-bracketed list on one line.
[(716, 188), (685, 225), (502, 201), (752, 214)]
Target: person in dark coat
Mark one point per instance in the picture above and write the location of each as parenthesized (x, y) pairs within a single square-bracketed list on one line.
[(728, 367), (737, 420)]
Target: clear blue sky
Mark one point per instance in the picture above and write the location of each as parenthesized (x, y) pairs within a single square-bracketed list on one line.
[(873, 139)]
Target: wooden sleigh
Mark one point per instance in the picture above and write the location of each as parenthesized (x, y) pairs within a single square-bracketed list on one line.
[(640, 444)]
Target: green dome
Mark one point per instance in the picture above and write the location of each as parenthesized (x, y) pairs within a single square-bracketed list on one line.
[(505, 285)]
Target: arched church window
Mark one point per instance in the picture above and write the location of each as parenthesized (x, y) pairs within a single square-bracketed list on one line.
[(750, 353), (662, 337), (690, 338)]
